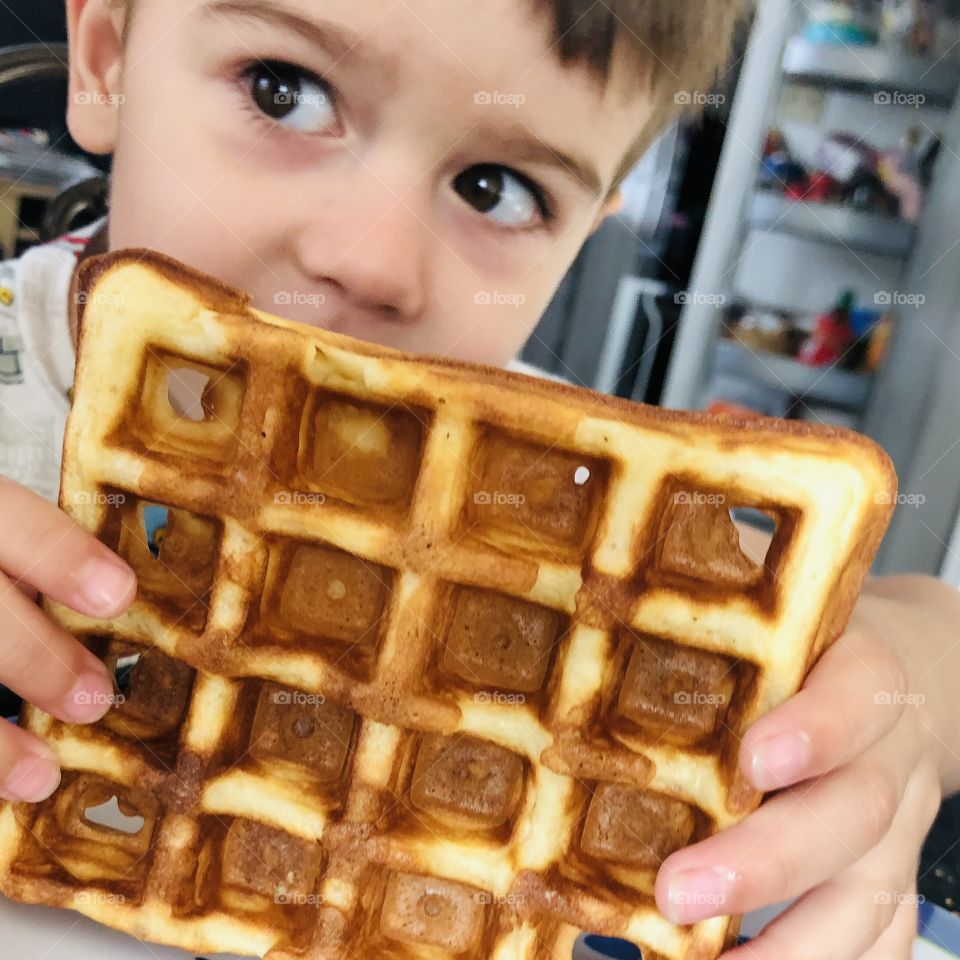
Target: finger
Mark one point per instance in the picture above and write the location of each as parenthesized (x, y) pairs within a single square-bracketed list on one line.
[(28, 767), (54, 555), (842, 913), (863, 908), (852, 698), (47, 666), (767, 856), (896, 942)]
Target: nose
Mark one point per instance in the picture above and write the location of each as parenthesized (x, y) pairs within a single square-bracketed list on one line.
[(370, 244)]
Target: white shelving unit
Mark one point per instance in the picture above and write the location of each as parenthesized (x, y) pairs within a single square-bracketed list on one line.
[(869, 70), (760, 246), (833, 224), (766, 250)]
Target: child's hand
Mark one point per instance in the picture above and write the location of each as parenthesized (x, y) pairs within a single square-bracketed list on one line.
[(42, 549), (865, 751)]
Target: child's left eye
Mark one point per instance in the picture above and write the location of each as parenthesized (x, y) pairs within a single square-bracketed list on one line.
[(506, 197), (291, 96)]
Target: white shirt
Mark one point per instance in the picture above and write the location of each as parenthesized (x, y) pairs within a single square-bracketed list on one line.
[(37, 360)]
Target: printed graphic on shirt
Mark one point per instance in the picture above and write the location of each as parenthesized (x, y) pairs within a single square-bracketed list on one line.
[(11, 371)]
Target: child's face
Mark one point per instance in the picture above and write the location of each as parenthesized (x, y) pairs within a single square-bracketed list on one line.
[(389, 169)]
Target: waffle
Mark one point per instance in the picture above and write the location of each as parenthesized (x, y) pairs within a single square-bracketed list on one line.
[(427, 660)]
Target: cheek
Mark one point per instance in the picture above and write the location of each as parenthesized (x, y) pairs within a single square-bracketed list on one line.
[(179, 200), (491, 330)]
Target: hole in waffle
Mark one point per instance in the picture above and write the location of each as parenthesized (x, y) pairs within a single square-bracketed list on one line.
[(153, 692), (700, 540), (122, 672), (108, 814), (186, 408), (154, 528), (613, 947), (173, 553), (186, 388), (755, 532), (581, 475)]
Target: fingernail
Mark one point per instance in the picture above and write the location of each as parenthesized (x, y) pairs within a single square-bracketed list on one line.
[(697, 894), (33, 778), (91, 697), (779, 759), (103, 586)]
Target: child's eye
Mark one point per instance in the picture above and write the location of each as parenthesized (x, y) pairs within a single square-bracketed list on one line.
[(503, 195), (291, 96)]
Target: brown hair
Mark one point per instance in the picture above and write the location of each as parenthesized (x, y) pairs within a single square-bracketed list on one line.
[(671, 47)]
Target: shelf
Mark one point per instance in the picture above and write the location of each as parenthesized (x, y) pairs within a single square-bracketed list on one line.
[(830, 385), (866, 69), (832, 223)]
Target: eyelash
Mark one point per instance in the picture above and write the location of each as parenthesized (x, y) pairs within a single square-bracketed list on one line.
[(246, 70)]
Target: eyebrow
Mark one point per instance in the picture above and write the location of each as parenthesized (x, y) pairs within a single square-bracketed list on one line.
[(338, 41), (341, 43), (525, 145)]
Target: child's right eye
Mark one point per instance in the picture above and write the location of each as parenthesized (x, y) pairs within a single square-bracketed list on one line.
[(291, 96)]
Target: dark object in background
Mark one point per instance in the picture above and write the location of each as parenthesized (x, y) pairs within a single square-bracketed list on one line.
[(10, 703), (75, 208), (939, 877), (38, 103)]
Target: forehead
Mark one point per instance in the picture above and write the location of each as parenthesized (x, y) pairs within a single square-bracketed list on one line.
[(501, 55)]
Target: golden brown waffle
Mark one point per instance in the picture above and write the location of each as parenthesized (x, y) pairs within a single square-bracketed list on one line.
[(436, 660)]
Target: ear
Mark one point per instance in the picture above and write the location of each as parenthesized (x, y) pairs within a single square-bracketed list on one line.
[(611, 206), (95, 30)]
